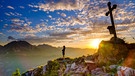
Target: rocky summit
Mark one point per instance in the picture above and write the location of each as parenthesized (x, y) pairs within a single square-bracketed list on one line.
[(114, 53)]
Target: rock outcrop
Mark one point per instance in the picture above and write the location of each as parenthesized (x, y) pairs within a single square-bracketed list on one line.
[(119, 52)]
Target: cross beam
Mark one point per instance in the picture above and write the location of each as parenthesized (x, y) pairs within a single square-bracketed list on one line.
[(111, 28)]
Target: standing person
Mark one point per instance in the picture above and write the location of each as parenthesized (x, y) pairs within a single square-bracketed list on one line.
[(63, 51)]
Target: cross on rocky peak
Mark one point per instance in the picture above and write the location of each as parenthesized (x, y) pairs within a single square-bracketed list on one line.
[(111, 28)]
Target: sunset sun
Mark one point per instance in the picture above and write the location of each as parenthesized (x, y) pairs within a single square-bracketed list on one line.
[(95, 43)]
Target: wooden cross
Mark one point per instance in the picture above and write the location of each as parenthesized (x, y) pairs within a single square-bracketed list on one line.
[(111, 28)]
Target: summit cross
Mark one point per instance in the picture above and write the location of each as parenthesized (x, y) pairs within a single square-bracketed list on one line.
[(111, 28)]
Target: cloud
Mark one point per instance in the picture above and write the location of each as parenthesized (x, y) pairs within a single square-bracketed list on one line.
[(88, 12), (32, 5), (34, 10), (21, 26), (7, 14), (28, 35), (62, 5), (22, 29), (22, 7), (85, 20), (16, 20), (129, 26), (12, 14), (61, 34), (1, 33), (63, 14), (50, 16), (45, 39), (77, 20), (24, 26), (10, 7), (36, 39), (11, 38)]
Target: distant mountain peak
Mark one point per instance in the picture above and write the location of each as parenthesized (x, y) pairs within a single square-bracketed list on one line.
[(17, 45)]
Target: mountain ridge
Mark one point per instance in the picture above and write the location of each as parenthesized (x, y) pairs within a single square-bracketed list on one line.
[(24, 46)]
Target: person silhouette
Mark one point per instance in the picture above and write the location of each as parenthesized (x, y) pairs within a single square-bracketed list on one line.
[(63, 51)]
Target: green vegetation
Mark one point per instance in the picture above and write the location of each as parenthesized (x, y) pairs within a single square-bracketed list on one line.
[(16, 73), (52, 68)]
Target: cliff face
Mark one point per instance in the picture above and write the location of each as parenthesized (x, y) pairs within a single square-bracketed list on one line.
[(115, 53)]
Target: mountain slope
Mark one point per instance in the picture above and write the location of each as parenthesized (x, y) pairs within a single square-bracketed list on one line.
[(1, 46), (23, 47)]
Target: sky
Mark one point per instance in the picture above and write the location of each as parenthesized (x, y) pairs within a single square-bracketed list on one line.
[(73, 23)]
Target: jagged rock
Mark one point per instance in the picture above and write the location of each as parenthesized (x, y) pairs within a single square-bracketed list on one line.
[(110, 53), (120, 52)]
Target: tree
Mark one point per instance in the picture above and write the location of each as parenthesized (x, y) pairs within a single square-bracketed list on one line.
[(16, 73)]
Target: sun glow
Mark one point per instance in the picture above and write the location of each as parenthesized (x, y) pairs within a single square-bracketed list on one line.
[(95, 43)]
